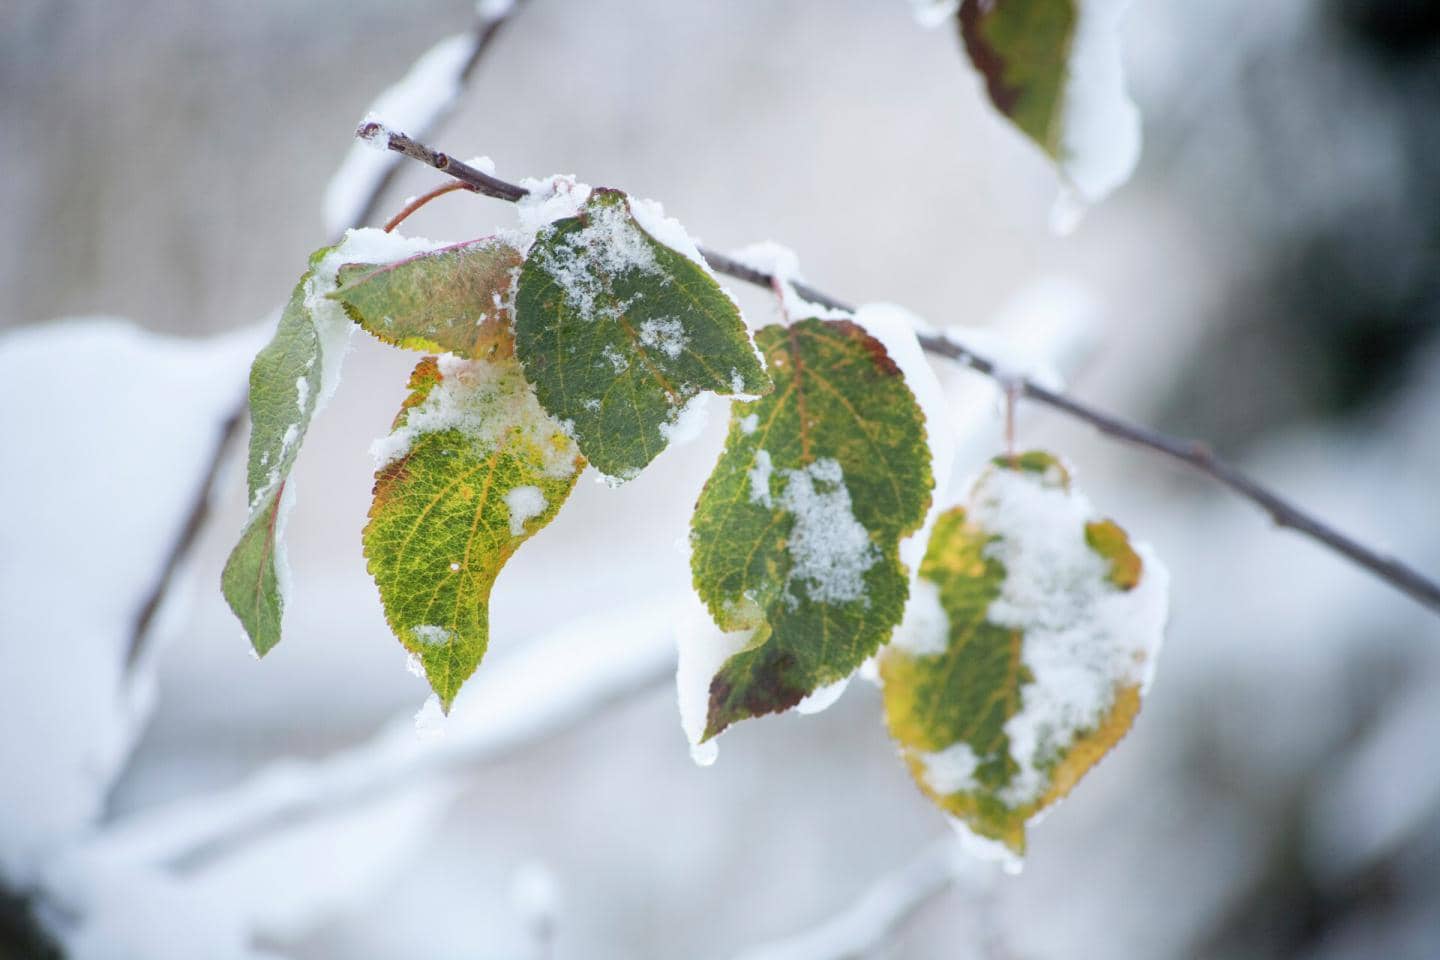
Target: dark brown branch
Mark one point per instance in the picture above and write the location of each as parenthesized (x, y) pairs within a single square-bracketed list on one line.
[(486, 28), (1188, 452)]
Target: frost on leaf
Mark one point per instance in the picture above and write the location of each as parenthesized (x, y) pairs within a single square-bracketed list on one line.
[(472, 469), (1053, 67), (452, 300), (796, 533), (291, 379), (1023, 658), (619, 332)]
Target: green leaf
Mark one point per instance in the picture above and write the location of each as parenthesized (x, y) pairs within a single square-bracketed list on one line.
[(453, 300), (1022, 48), (285, 384), (1032, 635), (473, 468), (618, 332), (797, 531)]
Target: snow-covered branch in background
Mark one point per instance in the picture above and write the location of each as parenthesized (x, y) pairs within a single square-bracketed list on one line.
[(422, 100), (880, 911)]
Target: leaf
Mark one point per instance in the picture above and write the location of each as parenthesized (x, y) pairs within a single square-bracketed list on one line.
[(285, 384), (796, 533), (618, 332), (473, 468), (1032, 635), (453, 300), (1052, 67)]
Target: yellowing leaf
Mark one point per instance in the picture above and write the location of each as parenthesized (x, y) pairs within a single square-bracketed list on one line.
[(1030, 639), (452, 300), (473, 468), (618, 332), (796, 534)]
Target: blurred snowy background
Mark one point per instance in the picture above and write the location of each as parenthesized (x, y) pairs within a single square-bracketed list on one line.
[(1270, 281)]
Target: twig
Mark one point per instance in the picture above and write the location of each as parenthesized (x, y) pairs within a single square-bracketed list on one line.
[(489, 19), (423, 199), (1192, 453)]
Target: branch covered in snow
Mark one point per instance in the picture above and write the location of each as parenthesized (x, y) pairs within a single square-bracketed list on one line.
[(1191, 453), (879, 912)]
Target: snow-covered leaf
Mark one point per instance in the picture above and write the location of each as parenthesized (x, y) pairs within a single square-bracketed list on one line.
[(1053, 68), (797, 531), (473, 468), (618, 332), (452, 300), (1030, 640)]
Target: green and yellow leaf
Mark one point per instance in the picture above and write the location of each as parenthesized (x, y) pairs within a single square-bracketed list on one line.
[(285, 383), (1030, 639), (452, 300), (473, 468), (618, 332), (1022, 49), (796, 534)]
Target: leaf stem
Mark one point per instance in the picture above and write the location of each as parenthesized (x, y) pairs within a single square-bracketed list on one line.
[(1191, 453), (423, 199)]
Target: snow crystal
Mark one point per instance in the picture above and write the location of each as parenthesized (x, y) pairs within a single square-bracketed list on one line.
[(430, 719), (1100, 141), (823, 698), (455, 566), (750, 423), (689, 423), (783, 264), (933, 13), (1083, 636), (524, 503), (760, 479), (951, 770), (925, 631), (617, 360), (664, 334), (703, 649), (487, 401), (550, 199), (432, 635), (302, 393), (609, 245), (666, 230), (830, 550), (416, 104)]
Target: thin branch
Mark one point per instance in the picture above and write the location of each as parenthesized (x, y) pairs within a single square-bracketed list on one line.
[(1192, 453), (420, 201), (879, 913), (490, 18)]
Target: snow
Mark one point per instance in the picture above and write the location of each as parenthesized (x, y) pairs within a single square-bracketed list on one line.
[(749, 423), (703, 650), (416, 104), (549, 199), (830, 550), (432, 635), (98, 467), (925, 631), (665, 334), (525, 503), (608, 245), (823, 698), (783, 264), (667, 230), (760, 479), (1100, 141), (486, 400), (494, 9), (933, 13), (951, 770), (1084, 637), (689, 423)]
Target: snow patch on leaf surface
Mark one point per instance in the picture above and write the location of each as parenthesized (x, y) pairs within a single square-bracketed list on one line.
[(1045, 639), (473, 468), (796, 534), (619, 332)]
